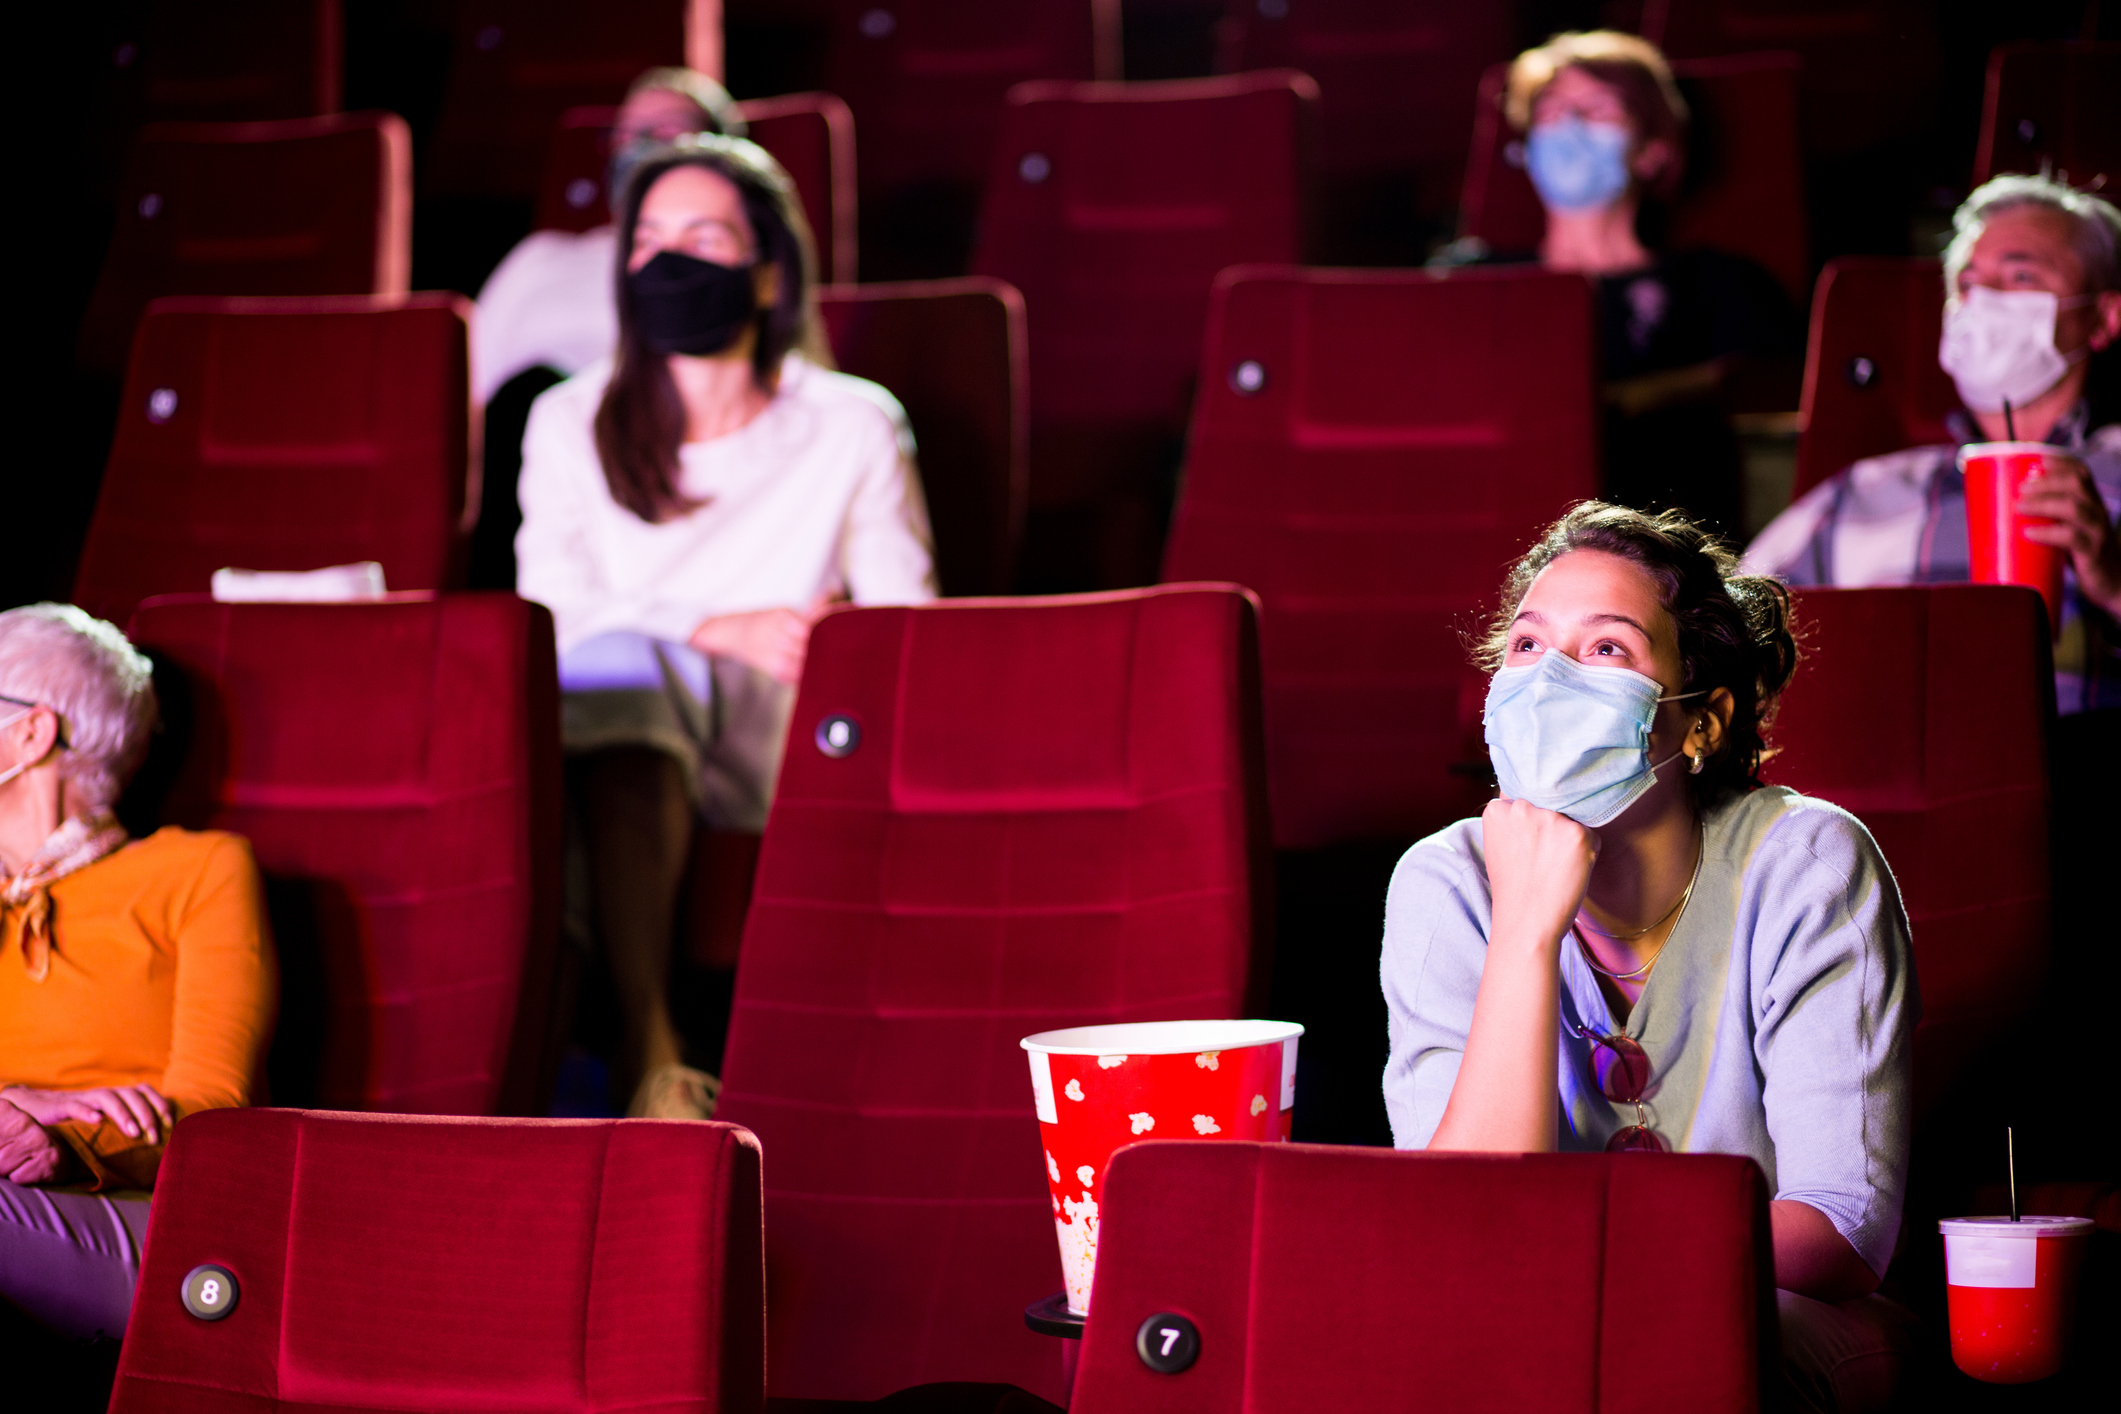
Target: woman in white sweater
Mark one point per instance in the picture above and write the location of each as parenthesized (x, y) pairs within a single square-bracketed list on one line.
[(691, 507)]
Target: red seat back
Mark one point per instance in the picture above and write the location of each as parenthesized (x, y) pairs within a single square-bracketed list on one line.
[(1346, 1278), (925, 78), (309, 206), (1393, 78), (231, 61), (952, 353), (517, 65), (285, 435), (396, 768), (2052, 106), (1871, 380), (1055, 815), (1924, 712), (452, 1265), (1744, 190), (1408, 437), (1113, 206), (810, 134)]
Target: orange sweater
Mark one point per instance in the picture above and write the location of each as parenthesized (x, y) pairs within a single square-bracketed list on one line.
[(161, 971)]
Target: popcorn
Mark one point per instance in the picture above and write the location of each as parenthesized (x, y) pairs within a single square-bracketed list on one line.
[(1259, 1105), (1086, 1174), (1074, 1090), (1078, 1240), (1204, 1126), (1107, 1062), (1209, 1060), (1143, 1122), (1052, 1168)]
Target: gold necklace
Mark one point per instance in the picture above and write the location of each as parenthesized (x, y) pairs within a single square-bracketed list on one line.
[(1701, 849)]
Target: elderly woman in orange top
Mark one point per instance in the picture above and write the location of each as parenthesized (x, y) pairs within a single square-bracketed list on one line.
[(136, 980)]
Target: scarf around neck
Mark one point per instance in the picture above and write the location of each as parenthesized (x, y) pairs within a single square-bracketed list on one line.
[(26, 898)]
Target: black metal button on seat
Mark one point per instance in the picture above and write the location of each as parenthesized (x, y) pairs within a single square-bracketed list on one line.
[(1248, 377), (209, 1291), (838, 735), (1167, 1343), (1862, 372)]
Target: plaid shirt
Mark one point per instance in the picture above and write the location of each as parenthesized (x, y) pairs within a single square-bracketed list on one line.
[(1901, 519)]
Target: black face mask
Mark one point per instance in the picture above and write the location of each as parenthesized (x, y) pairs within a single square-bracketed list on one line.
[(687, 306)]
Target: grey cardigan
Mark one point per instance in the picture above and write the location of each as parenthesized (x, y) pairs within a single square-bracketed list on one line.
[(1778, 1020)]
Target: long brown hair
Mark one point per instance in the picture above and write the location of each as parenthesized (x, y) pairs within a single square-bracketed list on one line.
[(641, 423)]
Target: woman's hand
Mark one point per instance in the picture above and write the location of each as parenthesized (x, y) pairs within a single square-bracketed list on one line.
[(28, 1153), (2066, 494), (139, 1111), (772, 640), (1539, 864)]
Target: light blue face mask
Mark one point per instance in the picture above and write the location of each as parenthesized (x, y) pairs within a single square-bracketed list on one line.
[(1574, 739), (1578, 166)]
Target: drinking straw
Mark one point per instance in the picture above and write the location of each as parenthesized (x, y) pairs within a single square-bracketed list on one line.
[(2010, 427), (2010, 1151)]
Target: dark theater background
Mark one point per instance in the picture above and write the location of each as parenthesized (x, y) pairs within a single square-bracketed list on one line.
[(1238, 384)]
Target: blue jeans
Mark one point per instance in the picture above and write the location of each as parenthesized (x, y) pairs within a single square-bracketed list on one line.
[(70, 1259)]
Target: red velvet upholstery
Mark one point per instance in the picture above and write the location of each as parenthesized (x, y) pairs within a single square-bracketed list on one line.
[(396, 768), (1392, 78), (304, 433), (1744, 192), (1924, 712), (1146, 191), (952, 352), (809, 134), (387, 1263), (309, 206), (517, 65), (925, 78), (1411, 436), (1343, 1278), (227, 61), (2052, 105), (1055, 816), (1871, 380)]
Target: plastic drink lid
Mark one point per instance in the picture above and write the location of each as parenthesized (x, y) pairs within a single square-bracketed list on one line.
[(1160, 1038), (2027, 1226)]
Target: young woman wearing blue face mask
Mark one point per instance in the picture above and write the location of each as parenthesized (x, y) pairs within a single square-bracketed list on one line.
[(1639, 947)]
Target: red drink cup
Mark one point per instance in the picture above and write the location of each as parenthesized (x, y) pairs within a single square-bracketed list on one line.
[(2000, 554), (2012, 1291), (1100, 1088)]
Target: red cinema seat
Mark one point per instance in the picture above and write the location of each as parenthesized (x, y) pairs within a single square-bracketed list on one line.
[(1744, 187), (1370, 450), (1393, 80), (810, 134), (1353, 1278), (1954, 789), (309, 206), (952, 353), (1871, 380), (395, 767), (2055, 106), (285, 434), (1048, 812), (926, 78), (1113, 207), (236, 60), (517, 65), (386, 1263)]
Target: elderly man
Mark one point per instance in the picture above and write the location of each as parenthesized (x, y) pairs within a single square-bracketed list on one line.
[(2033, 291)]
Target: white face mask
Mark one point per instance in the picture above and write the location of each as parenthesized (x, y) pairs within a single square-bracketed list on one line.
[(1999, 346)]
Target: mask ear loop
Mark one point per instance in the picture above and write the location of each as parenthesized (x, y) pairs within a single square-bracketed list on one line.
[(1697, 762)]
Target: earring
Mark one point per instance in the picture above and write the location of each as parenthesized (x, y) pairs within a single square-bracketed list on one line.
[(1698, 763)]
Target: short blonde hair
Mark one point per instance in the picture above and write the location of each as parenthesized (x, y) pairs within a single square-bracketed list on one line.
[(1631, 65), (709, 97), (101, 687)]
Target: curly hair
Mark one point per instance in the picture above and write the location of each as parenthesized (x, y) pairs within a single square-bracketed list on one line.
[(1734, 629)]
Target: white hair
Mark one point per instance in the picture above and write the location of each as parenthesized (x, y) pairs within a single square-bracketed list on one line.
[(101, 687), (2098, 238)]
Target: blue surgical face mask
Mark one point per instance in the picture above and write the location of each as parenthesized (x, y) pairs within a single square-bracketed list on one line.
[(1574, 739), (1578, 166)]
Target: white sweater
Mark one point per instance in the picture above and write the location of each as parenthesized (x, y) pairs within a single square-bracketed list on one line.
[(818, 493), (550, 302)]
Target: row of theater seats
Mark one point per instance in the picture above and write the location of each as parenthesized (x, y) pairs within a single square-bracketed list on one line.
[(607, 1266), (1055, 812)]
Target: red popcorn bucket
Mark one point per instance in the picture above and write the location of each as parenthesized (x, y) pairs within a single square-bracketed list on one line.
[(2011, 1288), (1998, 552), (1100, 1088)]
